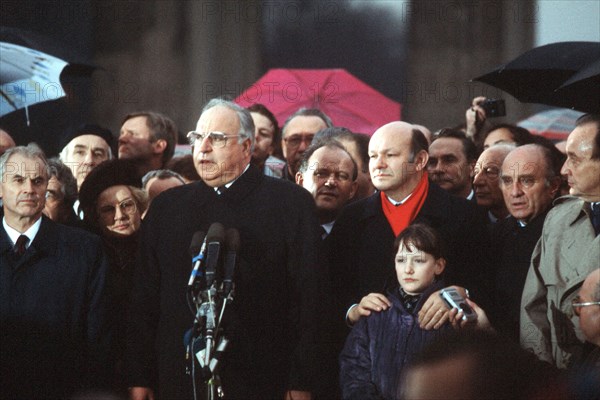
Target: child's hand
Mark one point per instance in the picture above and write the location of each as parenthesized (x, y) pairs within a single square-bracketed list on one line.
[(371, 302)]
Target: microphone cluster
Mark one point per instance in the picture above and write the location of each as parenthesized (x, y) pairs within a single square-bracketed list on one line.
[(211, 286)]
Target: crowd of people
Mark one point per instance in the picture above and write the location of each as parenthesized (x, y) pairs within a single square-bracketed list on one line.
[(347, 240)]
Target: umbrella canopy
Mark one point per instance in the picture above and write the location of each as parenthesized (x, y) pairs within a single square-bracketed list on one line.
[(347, 100), (543, 74), (27, 77), (555, 124)]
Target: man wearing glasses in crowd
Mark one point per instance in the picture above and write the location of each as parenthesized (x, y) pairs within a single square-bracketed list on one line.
[(297, 134), (272, 322)]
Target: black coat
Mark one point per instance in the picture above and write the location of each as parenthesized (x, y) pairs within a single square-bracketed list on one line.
[(512, 247), (273, 324), (53, 325), (361, 255)]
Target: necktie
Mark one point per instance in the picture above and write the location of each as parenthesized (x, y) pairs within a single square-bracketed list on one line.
[(595, 217), (20, 245)]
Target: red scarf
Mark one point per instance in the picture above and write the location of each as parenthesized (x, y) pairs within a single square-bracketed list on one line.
[(404, 214)]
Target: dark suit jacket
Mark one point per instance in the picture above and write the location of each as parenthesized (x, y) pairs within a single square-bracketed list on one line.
[(53, 322), (361, 252), (272, 325)]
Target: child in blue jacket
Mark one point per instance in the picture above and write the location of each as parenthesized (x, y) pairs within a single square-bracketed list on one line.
[(381, 345)]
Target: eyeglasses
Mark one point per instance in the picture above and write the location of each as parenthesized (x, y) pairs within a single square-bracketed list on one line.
[(216, 139), (296, 140), (577, 304), (126, 206), (490, 172), (325, 174)]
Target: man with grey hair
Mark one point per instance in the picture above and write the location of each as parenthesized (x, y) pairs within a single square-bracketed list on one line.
[(86, 147), (529, 180), (272, 322), (297, 134), (54, 338)]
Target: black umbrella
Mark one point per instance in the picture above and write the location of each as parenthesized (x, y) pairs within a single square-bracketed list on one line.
[(538, 76)]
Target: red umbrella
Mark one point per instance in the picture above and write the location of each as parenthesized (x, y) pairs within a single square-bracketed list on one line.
[(347, 100)]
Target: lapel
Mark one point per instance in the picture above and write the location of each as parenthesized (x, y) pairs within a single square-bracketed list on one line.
[(44, 244)]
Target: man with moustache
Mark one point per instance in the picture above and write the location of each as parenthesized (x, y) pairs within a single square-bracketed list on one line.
[(361, 244), (529, 180), (273, 320), (53, 307), (568, 250)]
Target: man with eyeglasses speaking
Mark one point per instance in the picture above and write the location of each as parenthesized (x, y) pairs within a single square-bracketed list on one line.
[(297, 134), (271, 324)]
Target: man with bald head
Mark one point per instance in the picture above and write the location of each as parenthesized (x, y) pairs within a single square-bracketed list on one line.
[(568, 250), (329, 173), (272, 323), (486, 182), (361, 252), (529, 181)]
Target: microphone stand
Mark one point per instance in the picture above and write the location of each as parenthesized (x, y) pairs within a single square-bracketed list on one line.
[(207, 326)]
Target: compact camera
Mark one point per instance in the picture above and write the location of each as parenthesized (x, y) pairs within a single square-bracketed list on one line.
[(494, 108), (455, 300)]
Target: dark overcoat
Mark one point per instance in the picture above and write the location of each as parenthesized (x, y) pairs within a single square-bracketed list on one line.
[(54, 331), (273, 319)]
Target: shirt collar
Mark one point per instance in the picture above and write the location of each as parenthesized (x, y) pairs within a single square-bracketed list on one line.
[(397, 203), (228, 185), (13, 234), (470, 196), (328, 226)]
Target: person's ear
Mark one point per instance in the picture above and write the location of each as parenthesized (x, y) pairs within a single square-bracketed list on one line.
[(247, 147), (440, 265), (159, 146), (421, 160), (299, 178)]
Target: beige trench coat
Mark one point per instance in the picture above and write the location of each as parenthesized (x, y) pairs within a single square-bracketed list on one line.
[(566, 253)]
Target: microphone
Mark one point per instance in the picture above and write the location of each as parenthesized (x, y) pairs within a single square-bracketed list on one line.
[(197, 251), (214, 237), (232, 246)]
